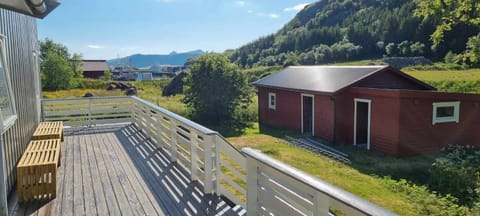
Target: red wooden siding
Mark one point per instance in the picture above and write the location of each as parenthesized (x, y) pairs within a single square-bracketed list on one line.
[(93, 74), (401, 120), (384, 129), (287, 113), (389, 80), (324, 117), (419, 135)]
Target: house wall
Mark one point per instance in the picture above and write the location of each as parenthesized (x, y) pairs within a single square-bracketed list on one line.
[(21, 42), (417, 133), (388, 79), (385, 110), (93, 74), (324, 117), (287, 114)]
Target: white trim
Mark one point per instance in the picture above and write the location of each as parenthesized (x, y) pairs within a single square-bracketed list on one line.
[(313, 111), (37, 84), (369, 102), (10, 121), (456, 112), (270, 106)]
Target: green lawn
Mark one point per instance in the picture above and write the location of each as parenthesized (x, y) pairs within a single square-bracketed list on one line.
[(364, 177)]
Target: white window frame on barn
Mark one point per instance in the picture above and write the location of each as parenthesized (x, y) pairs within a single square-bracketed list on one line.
[(270, 104), (9, 120), (456, 112)]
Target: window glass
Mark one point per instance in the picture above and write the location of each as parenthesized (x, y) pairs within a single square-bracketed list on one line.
[(446, 112), (443, 112), (272, 101), (5, 94)]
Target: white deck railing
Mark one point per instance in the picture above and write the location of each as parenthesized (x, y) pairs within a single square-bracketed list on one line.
[(253, 180)]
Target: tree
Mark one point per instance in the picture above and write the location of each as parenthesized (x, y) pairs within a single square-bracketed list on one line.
[(68, 69), (56, 72), (107, 75), (77, 65), (215, 89), (291, 60), (473, 49), (451, 13), (49, 46), (391, 49)]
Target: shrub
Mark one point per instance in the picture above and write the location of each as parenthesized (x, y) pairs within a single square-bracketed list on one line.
[(457, 173), (430, 203)]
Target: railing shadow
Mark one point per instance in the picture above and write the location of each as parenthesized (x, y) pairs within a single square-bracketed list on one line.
[(169, 181)]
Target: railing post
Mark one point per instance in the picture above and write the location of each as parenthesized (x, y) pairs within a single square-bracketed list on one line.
[(173, 140), (252, 186), (321, 204), (159, 126), (90, 111), (207, 149), (218, 167), (193, 156)]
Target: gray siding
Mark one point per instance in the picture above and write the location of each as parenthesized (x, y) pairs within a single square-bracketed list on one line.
[(21, 42)]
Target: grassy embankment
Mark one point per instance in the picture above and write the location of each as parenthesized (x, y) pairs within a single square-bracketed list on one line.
[(365, 176)]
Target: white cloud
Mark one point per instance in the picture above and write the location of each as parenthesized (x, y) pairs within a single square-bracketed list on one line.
[(94, 46), (240, 3), (269, 15), (297, 8), (250, 11)]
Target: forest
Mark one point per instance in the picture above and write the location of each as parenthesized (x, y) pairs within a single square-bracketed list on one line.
[(345, 30)]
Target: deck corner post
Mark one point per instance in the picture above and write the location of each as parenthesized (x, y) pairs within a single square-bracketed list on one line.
[(207, 148), (193, 156), (252, 186)]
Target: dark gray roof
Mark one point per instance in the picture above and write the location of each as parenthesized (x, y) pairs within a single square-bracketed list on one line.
[(326, 79), (95, 65)]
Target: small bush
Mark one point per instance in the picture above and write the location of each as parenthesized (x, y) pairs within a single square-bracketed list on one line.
[(430, 203), (458, 173)]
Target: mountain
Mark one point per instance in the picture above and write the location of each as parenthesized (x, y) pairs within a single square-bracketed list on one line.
[(139, 60), (343, 30)]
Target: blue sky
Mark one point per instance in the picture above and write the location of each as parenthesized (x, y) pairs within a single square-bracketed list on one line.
[(105, 29)]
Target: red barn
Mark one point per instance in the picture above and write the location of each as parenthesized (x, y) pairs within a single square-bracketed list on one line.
[(375, 107), (94, 69)]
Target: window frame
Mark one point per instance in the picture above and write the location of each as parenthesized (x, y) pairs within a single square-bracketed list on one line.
[(456, 112), (270, 106), (10, 121)]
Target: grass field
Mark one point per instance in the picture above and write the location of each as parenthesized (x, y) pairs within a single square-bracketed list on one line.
[(364, 177), (464, 81)]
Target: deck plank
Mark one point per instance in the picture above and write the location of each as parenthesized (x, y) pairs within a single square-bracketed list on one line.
[(67, 197), (113, 205), (144, 194), (115, 176), (98, 185), (117, 170), (88, 189), (78, 199)]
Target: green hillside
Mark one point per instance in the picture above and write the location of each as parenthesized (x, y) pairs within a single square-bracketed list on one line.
[(343, 30)]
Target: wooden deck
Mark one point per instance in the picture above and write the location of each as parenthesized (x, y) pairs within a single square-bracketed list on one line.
[(115, 170)]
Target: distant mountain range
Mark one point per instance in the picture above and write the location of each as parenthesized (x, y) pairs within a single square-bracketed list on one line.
[(140, 60)]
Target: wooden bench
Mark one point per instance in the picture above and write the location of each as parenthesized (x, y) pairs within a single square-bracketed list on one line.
[(49, 130), (37, 170)]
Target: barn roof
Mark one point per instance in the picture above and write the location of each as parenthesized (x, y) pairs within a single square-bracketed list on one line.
[(95, 65), (324, 79)]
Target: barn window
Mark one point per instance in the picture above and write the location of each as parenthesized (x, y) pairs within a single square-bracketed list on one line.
[(446, 112), (272, 100), (7, 104)]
